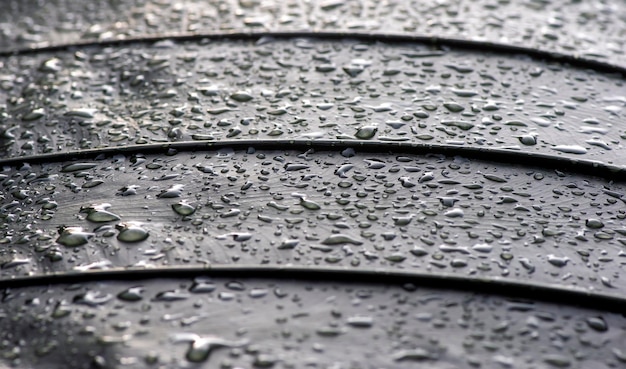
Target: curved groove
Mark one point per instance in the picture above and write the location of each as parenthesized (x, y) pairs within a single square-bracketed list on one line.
[(363, 36), (502, 155), (492, 285)]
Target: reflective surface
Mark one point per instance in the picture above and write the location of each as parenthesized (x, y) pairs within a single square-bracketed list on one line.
[(591, 29), (308, 89), (342, 193), (261, 323), (347, 207)]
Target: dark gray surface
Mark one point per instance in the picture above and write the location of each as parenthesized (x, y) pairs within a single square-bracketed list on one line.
[(265, 323), (308, 89), (428, 213), (591, 29), (266, 163)]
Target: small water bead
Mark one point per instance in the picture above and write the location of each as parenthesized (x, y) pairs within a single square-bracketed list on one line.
[(129, 190), (482, 247), (183, 208), (13, 263), (241, 96), (172, 192), (288, 244), (426, 177), (460, 124), (97, 213), (308, 204), (558, 261), (570, 149), (73, 236), (131, 294), (236, 236), (366, 132), (235, 286), (418, 354), (340, 239), (202, 285), (458, 263), (403, 221), (597, 323), (82, 113), (454, 213), (33, 115), (528, 140), (360, 321), (75, 167), (453, 107), (557, 360), (92, 298), (594, 223), (131, 232), (396, 257), (200, 348)]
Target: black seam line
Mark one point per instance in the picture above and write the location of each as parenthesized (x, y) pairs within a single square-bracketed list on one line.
[(573, 60), (501, 155), (562, 295)]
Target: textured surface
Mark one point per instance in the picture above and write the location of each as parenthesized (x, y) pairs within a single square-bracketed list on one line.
[(321, 202), (255, 323), (593, 29), (279, 89), (350, 208)]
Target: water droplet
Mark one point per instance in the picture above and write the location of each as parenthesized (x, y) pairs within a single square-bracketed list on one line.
[(131, 294), (396, 257), (14, 263), (288, 244), (417, 354), (202, 285), (183, 208), (236, 236), (366, 132), (200, 348), (174, 191), (33, 115), (73, 236), (460, 124), (173, 295), (75, 167), (82, 113), (427, 176), (339, 239), (131, 232), (97, 213), (528, 140), (360, 321), (558, 261), (597, 323), (403, 221), (51, 65), (92, 298), (308, 204), (570, 149), (241, 96), (594, 223), (453, 107), (454, 213), (557, 360), (495, 178), (482, 247)]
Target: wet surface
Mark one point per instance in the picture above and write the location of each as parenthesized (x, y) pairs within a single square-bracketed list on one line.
[(590, 29), (265, 323), (426, 213), (270, 89), (388, 171)]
